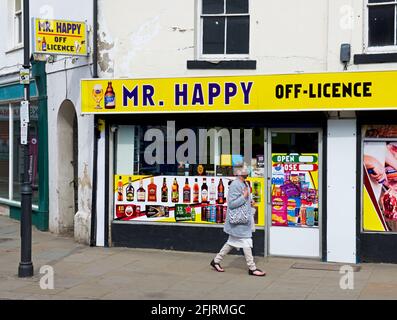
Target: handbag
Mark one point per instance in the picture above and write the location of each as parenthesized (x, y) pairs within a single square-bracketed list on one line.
[(240, 215)]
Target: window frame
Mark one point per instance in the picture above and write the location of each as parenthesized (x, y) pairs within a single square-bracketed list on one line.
[(199, 34), (379, 49)]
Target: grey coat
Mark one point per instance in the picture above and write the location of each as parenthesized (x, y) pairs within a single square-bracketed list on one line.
[(235, 200)]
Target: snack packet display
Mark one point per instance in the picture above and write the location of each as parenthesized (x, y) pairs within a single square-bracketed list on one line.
[(279, 211)]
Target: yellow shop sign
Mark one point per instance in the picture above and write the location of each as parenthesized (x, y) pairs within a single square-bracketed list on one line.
[(60, 37), (297, 92)]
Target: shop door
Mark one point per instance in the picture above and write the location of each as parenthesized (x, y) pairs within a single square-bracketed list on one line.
[(294, 195)]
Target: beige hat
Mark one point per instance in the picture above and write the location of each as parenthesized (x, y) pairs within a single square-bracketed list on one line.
[(242, 171)]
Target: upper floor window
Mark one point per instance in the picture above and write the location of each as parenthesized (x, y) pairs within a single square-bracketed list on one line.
[(382, 23), (225, 28), (18, 23)]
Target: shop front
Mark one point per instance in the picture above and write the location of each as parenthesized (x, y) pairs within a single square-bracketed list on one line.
[(11, 153), (168, 149)]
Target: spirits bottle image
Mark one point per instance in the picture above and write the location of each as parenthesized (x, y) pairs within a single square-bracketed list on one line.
[(120, 197), (152, 191), (130, 191), (110, 97), (141, 193), (164, 191), (212, 196), (221, 192), (204, 191), (196, 192), (175, 192), (186, 192)]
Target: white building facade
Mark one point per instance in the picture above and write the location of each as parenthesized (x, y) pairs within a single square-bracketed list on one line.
[(205, 40)]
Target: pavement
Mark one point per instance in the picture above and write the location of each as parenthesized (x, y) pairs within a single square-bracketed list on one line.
[(84, 273)]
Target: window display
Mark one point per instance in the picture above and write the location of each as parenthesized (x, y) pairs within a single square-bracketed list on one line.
[(192, 199), (295, 190), (380, 179), (181, 177)]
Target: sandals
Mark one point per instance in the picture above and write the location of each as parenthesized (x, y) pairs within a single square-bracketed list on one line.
[(217, 267), (252, 273)]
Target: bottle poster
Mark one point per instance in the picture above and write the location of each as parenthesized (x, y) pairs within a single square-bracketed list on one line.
[(295, 190), (180, 199)]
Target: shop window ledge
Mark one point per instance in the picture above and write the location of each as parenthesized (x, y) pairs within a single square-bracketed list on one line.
[(375, 58), (222, 65)]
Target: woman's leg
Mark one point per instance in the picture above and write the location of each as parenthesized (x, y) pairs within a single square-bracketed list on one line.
[(249, 258), (223, 253)]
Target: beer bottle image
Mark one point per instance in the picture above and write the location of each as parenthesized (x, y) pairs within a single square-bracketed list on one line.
[(212, 196), (120, 196), (186, 192), (221, 192), (130, 191), (44, 45), (152, 191), (175, 192), (196, 192), (193, 214), (141, 193), (110, 97), (256, 193), (164, 191), (204, 191)]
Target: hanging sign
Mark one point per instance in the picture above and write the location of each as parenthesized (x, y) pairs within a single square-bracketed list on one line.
[(59, 37)]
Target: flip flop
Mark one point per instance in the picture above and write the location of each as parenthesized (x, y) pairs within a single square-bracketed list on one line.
[(252, 273), (217, 267)]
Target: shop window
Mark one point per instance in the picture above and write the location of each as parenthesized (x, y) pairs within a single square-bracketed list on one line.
[(224, 28), (11, 154), (18, 156), (4, 151), (178, 174), (379, 213), (382, 31)]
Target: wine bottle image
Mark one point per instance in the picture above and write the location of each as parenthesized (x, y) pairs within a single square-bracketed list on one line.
[(152, 191), (164, 191), (204, 191), (212, 193), (196, 192), (130, 191), (186, 192), (221, 192), (141, 193), (175, 192), (120, 197)]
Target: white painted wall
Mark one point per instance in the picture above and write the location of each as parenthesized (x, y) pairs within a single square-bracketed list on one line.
[(341, 191), (63, 78), (159, 37)]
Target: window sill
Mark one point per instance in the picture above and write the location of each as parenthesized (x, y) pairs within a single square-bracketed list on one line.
[(222, 65), (15, 204), (16, 48), (375, 58)]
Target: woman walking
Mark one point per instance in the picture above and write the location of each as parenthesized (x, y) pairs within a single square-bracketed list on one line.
[(240, 234)]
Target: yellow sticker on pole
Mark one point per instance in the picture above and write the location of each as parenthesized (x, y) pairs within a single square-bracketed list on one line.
[(59, 37)]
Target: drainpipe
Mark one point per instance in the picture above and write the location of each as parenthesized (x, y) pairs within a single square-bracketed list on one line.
[(96, 131)]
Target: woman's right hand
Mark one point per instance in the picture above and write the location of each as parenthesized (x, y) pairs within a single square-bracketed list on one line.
[(246, 193)]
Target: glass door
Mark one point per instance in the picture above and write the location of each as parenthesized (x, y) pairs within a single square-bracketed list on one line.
[(294, 195)]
